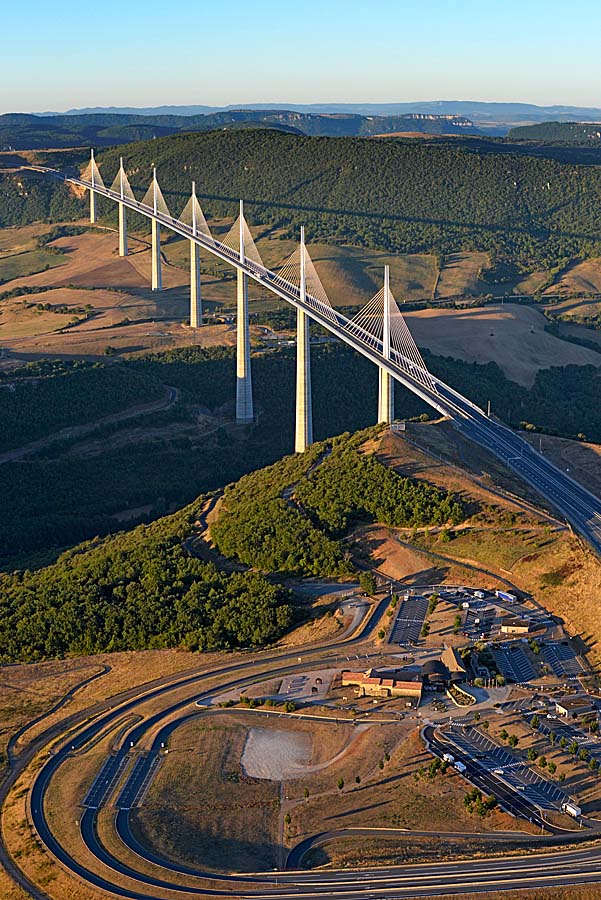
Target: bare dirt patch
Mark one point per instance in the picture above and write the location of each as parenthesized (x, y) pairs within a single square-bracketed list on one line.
[(514, 336), (276, 755)]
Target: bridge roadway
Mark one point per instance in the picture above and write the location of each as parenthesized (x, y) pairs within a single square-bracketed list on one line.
[(578, 506), (549, 868)]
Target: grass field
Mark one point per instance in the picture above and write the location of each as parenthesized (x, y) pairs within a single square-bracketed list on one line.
[(27, 263), (514, 336), (580, 276), (202, 809), (460, 275), (129, 317)]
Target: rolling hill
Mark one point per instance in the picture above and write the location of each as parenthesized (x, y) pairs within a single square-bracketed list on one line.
[(20, 131)]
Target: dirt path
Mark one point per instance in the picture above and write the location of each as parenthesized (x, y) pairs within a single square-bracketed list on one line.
[(168, 400)]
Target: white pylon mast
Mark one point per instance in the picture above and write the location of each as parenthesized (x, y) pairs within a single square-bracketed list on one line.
[(386, 324), (194, 208), (154, 190), (304, 413), (121, 174), (242, 231)]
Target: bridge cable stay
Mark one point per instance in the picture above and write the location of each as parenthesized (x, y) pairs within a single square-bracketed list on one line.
[(92, 174), (121, 185), (315, 293), (368, 326), (193, 216), (153, 198), (232, 240)]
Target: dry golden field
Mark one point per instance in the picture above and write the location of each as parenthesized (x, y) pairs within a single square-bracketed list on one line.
[(511, 335)]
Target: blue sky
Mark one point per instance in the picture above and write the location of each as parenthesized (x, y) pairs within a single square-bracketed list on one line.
[(147, 53)]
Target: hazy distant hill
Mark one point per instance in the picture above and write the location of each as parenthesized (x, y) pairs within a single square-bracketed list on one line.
[(585, 133), (20, 131), (493, 118)]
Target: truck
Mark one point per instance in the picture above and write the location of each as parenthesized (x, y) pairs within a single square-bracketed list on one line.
[(460, 767), (448, 757), (480, 595), (505, 595), (571, 809)]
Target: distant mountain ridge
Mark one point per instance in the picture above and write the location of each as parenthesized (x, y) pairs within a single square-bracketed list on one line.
[(493, 117), (26, 131), (582, 133)]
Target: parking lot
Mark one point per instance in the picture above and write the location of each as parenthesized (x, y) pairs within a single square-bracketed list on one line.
[(409, 620), (562, 660), (519, 776), (513, 662), (570, 733)]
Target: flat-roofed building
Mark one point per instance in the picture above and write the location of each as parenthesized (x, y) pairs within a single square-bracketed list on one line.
[(575, 705), (516, 626)]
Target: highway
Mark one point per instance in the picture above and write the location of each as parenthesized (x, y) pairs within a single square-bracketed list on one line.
[(561, 866), (578, 506)]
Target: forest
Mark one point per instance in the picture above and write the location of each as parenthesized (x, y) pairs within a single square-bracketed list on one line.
[(520, 205), (137, 590), (142, 589), (61, 496), (290, 517)]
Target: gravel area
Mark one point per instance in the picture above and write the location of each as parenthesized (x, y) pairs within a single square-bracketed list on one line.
[(276, 755)]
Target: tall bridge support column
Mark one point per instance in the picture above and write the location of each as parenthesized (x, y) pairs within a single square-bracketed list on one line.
[(386, 381), (122, 212), (385, 397), (244, 396), (304, 410), (195, 295), (92, 194), (122, 230), (157, 275)]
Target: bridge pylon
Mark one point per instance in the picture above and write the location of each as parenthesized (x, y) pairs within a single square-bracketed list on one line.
[(92, 194), (386, 381), (157, 274), (244, 396), (304, 411), (123, 249), (195, 287)]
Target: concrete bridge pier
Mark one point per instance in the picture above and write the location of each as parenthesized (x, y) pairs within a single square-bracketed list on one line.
[(122, 229), (195, 294), (304, 411), (244, 396), (386, 381), (157, 275), (92, 193), (385, 397)]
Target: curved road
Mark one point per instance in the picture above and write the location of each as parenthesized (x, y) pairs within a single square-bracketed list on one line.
[(551, 868)]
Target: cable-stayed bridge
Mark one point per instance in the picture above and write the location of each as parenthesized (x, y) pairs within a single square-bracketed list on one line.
[(378, 331)]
